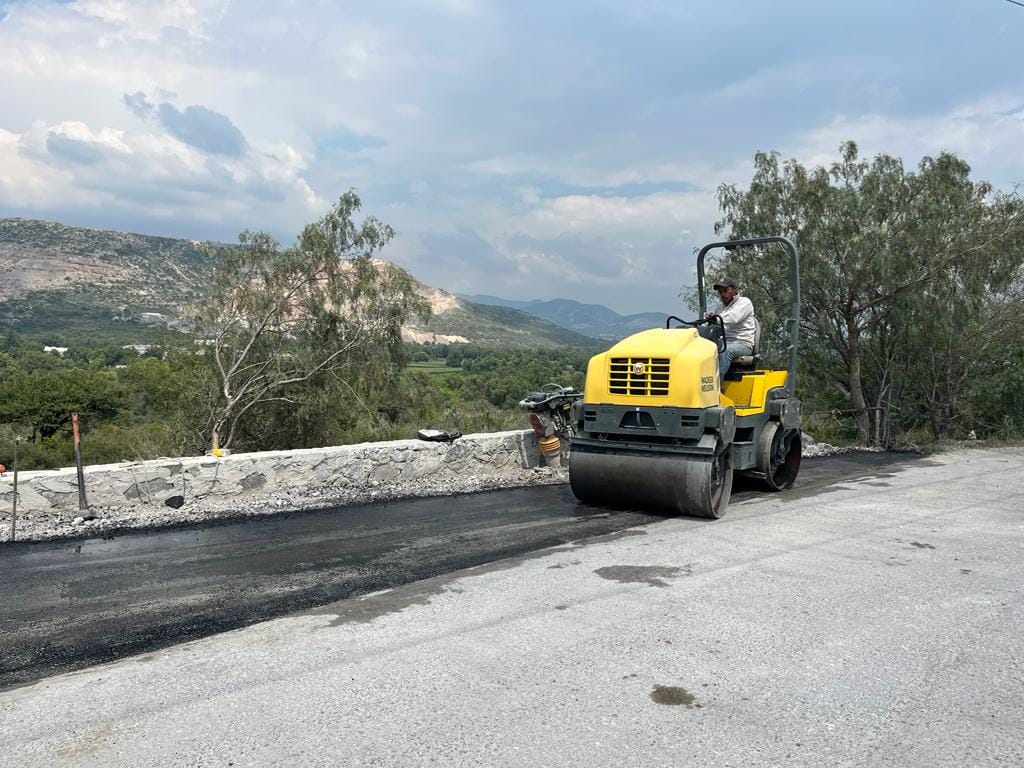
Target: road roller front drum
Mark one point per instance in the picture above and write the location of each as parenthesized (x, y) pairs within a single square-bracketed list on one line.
[(677, 483)]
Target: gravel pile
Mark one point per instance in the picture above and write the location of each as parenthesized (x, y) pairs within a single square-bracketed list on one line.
[(812, 447)]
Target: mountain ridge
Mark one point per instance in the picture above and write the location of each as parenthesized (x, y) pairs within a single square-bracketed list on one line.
[(60, 280), (595, 320)]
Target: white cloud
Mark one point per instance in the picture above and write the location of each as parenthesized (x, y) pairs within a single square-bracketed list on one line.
[(69, 142), (661, 214), (108, 138), (564, 136), (23, 182), (148, 19), (70, 164), (987, 133), (590, 243)]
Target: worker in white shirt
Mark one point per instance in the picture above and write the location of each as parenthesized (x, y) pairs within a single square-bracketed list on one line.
[(737, 313)]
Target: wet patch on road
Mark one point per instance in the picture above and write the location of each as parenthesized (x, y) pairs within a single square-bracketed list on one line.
[(557, 566), (363, 610), (673, 696), (652, 575), (915, 544)]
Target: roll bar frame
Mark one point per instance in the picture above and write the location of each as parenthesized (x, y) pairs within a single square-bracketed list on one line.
[(794, 283)]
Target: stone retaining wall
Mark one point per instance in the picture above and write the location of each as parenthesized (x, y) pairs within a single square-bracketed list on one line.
[(282, 478)]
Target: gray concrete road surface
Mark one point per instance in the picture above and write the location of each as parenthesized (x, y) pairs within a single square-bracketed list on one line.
[(876, 621)]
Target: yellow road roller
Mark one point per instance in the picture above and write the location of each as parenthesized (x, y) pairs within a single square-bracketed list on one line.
[(656, 428)]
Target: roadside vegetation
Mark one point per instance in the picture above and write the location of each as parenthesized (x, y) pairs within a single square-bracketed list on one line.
[(912, 331), (134, 406), (912, 286)]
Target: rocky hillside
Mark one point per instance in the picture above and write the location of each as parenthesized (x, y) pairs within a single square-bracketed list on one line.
[(137, 269), (70, 284)]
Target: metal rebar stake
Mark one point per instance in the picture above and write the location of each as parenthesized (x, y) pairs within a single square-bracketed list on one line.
[(14, 500), (82, 503)]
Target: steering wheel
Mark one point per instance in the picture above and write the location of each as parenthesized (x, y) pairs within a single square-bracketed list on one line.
[(670, 318), (711, 320)]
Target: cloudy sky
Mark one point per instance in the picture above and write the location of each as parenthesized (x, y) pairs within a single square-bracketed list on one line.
[(523, 149)]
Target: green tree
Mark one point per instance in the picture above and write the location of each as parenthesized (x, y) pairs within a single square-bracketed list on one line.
[(896, 267), (279, 318), (45, 400)]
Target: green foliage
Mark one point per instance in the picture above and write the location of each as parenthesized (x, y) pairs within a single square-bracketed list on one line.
[(280, 321), (431, 366), (471, 389), (160, 404), (503, 377), (122, 414), (996, 394), (43, 400), (907, 280), (42, 453)]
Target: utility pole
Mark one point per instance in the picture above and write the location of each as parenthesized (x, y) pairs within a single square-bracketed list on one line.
[(82, 503)]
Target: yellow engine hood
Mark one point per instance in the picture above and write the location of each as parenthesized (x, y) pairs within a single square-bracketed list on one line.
[(674, 367)]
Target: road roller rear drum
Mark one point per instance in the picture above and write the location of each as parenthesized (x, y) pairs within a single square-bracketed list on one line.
[(667, 483)]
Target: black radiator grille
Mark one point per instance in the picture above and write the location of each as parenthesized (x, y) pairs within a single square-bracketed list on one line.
[(639, 376)]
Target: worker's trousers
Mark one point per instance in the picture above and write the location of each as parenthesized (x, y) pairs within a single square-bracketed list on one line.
[(733, 350)]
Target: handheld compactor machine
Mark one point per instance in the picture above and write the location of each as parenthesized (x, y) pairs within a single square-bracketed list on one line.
[(656, 428)]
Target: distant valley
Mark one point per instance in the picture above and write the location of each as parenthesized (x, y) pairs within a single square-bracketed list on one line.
[(593, 320)]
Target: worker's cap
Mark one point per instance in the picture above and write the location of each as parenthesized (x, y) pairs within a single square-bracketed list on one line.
[(725, 282)]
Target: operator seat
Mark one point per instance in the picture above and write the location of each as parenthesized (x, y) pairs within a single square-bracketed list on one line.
[(747, 362)]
